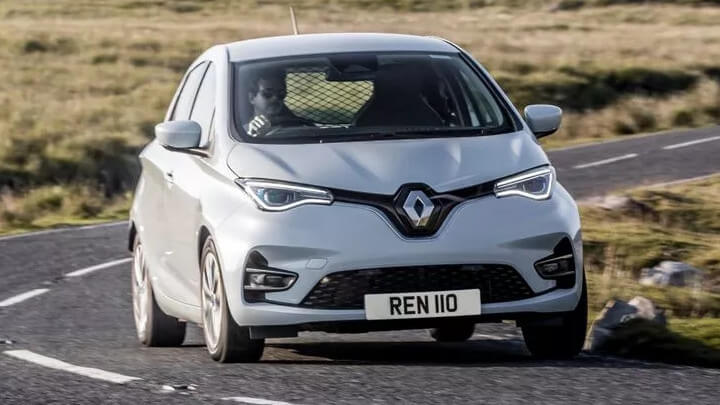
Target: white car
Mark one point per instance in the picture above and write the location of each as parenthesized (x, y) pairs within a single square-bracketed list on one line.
[(350, 183)]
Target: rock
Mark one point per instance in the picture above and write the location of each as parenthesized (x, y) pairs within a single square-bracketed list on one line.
[(616, 202), (617, 313), (667, 273), (646, 309)]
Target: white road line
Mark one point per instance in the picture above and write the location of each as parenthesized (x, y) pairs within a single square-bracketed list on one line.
[(695, 142), (82, 272), (77, 273), (606, 161), (624, 138), (71, 368), (22, 297), (258, 401), (490, 337), (68, 229)]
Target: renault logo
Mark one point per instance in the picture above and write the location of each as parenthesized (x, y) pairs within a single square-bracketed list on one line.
[(418, 208)]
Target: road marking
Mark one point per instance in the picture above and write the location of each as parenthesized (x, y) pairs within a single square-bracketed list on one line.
[(258, 401), (77, 273), (606, 161), (82, 272), (695, 142), (70, 228), (22, 297), (71, 368), (491, 337)]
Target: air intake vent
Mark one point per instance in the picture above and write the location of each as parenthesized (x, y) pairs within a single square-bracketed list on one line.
[(346, 289)]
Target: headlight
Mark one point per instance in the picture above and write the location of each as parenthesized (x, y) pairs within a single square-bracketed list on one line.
[(278, 196), (535, 184)]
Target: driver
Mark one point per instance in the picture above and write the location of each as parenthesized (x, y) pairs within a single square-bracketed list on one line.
[(267, 96)]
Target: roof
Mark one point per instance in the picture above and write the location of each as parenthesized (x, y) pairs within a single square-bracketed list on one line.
[(311, 44)]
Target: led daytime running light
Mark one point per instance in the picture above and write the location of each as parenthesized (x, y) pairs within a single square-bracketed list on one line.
[(260, 190), (513, 185)]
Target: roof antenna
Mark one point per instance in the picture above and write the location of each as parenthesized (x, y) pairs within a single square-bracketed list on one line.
[(293, 21)]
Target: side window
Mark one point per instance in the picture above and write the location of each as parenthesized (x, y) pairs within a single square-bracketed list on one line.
[(204, 107), (187, 94)]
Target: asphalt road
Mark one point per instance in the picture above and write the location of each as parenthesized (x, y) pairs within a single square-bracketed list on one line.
[(644, 160), (86, 320)]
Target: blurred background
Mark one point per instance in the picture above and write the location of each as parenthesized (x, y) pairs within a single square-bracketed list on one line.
[(84, 82)]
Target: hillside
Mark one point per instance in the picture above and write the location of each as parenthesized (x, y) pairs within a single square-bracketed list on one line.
[(85, 82)]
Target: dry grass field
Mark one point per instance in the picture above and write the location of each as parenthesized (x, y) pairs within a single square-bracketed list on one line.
[(84, 82)]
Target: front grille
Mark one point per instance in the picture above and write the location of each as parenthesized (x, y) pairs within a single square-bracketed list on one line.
[(346, 289)]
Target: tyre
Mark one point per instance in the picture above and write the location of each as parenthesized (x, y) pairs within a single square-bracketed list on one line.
[(560, 342), (154, 327), (226, 341), (459, 332)]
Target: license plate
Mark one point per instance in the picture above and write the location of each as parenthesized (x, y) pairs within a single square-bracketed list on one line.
[(422, 304)]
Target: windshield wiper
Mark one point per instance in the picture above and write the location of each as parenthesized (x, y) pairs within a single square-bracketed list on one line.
[(479, 131), (404, 133), (363, 134), (355, 136)]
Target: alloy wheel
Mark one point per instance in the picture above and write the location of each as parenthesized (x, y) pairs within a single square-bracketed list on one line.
[(212, 299), (140, 291)]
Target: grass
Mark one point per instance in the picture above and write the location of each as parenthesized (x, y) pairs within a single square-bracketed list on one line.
[(678, 302), (681, 223), (706, 330), (53, 206), (85, 82), (580, 89)]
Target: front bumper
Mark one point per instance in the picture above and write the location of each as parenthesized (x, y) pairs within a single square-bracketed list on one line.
[(314, 241)]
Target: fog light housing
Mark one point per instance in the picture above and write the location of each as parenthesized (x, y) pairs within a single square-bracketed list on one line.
[(559, 266), (556, 266), (268, 279)]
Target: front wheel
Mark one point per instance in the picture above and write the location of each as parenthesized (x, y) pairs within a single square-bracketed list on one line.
[(226, 341), (458, 332), (560, 342), (154, 327)]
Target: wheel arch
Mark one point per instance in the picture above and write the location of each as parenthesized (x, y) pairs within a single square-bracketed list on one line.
[(203, 234), (132, 233), (226, 271)]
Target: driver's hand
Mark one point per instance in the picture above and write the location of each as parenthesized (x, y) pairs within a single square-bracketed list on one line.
[(259, 126)]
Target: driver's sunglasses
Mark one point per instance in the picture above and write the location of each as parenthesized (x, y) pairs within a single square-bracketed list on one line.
[(269, 93)]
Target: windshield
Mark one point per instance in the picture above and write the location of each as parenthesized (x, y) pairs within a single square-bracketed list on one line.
[(359, 96)]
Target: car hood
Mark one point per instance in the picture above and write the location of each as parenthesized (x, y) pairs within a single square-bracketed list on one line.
[(383, 166)]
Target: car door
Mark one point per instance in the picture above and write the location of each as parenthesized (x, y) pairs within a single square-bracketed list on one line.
[(183, 198), (165, 163)]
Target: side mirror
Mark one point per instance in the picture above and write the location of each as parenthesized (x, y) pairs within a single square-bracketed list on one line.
[(543, 119), (178, 135)]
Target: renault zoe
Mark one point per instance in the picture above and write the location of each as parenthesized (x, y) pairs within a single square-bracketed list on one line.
[(351, 183)]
